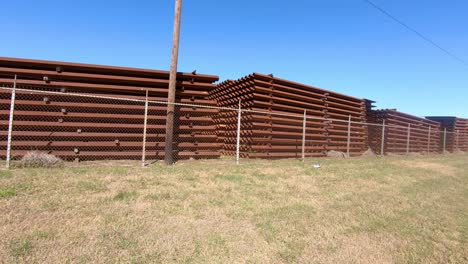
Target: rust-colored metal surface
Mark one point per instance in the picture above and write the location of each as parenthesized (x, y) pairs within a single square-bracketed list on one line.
[(271, 134), (88, 128), (424, 134), (457, 132)]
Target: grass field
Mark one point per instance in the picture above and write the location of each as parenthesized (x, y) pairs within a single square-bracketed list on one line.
[(362, 210)]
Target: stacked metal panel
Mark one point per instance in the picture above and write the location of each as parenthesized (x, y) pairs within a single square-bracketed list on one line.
[(86, 128), (457, 132), (424, 134), (272, 118)]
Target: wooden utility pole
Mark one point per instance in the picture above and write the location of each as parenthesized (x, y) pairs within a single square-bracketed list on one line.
[(168, 151)]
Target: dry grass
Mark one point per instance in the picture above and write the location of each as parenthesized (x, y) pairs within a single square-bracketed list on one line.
[(362, 210)]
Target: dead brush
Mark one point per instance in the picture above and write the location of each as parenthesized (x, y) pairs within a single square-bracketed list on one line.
[(337, 154), (37, 159)]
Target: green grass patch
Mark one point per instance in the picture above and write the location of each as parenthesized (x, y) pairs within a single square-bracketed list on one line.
[(5, 174), (20, 248), (268, 230), (7, 192), (80, 171), (126, 196), (235, 178), (92, 186), (188, 177), (40, 234), (291, 251)]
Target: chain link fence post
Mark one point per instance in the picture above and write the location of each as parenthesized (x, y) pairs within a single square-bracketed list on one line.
[(304, 124), (429, 141), (382, 146), (10, 124), (445, 141), (348, 143), (145, 123), (408, 138), (239, 116), (465, 140)]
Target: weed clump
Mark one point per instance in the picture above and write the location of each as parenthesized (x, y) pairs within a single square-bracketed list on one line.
[(7, 192), (369, 153), (37, 159), (337, 154), (20, 248), (125, 196)]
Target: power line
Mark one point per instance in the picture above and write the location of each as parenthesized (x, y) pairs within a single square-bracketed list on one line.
[(427, 39)]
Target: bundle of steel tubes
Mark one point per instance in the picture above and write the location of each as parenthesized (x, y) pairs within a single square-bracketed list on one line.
[(456, 132), (58, 121), (87, 112), (273, 114), (402, 133)]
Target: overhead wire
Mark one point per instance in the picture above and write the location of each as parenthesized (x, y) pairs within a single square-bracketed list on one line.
[(419, 34)]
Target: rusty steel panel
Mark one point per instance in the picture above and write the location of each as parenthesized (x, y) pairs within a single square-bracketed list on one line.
[(88, 127), (457, 129), (276, 132), (424, 134)]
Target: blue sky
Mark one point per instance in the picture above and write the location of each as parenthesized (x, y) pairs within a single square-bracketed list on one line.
[(340, 45)]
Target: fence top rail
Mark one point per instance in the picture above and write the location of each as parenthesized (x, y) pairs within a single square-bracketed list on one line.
[(298, 116)]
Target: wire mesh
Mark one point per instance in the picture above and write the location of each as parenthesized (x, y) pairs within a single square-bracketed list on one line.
[(5, 99), (194, 133), (77, 126)]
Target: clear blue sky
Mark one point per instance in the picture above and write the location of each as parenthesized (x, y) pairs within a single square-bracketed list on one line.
[(340, 45)]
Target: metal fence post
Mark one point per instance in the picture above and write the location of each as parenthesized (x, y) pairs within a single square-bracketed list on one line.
[(466, 140), (445, 141), (10, 124), (348, 143), (408, 140), (304, 124), (382, 146), (143, 154), (429, 141), (239, 115)]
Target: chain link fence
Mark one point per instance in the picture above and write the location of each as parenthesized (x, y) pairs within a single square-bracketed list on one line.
[(88, 127)]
